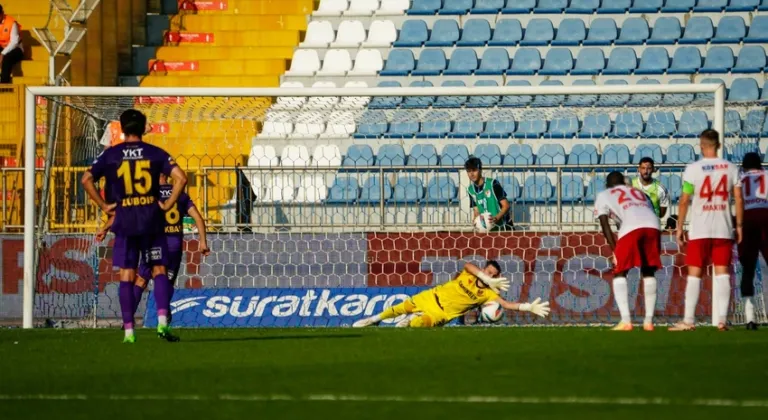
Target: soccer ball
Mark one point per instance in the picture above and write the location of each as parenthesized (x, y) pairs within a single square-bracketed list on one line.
[(483, 223), (491, 312)]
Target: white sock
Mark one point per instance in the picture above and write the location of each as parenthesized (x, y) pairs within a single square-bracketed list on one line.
[(722, 286), (692, 290), (162, 320), (749, 308), (622, 297), (376, 318), (649, 289), (128, 332)]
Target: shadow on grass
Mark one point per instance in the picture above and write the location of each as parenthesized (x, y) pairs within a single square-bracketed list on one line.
[(273, 337)]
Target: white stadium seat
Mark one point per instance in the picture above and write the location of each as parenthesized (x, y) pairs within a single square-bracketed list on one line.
[(262, 156), (351, 33), (382, 33), (319, 34), (362, 7), (354, 102), (341, 124), (290, 102), (331, 8), (280, 189), (336, 63), (367, 63), (393, 7), (312, 189), (322, 102), (294, 156), (304, 63), (326, 155), (309, 125), (275, 130)]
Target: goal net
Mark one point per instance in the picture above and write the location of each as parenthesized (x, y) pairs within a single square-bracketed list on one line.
[(325, 205)]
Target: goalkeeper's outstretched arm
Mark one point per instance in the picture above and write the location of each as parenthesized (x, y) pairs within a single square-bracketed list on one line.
[(536, 307)]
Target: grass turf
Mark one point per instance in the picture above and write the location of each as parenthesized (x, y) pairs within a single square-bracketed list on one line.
[(450, 362)]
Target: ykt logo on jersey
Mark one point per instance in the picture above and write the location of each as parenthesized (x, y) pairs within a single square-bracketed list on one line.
[(165, 193), (133, 153)]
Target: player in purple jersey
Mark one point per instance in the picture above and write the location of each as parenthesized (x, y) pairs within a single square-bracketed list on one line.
[(132, 170)]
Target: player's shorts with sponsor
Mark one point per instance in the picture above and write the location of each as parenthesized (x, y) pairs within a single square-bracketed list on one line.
[(638, 248), (173, 263), (700, 252), (428, 303), (754, 232), (128, 251)]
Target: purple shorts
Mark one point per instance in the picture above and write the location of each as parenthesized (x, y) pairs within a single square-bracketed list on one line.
[(150, 250), (173, 263)]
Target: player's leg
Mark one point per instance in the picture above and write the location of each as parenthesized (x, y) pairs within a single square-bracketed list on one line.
[(651, 256), (143, 276), (749, 253), (722, 253), (125, 255), (429, 319), (174, 264), (402, 308), (649, 294), (695, 259), (626, 257), (156, 255)]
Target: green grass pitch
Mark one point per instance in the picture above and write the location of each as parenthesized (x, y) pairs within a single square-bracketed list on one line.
[(567, 373)]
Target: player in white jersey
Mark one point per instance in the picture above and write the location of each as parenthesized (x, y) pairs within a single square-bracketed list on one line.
[(639, 243), (755, 239), (708, 186)]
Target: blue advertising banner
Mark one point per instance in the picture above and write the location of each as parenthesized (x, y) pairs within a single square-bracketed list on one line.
[(278, 307)]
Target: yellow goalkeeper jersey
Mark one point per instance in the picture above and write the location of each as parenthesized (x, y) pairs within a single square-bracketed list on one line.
[(457, 296)]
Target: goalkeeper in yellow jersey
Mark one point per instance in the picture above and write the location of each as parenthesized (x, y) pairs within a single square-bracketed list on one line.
[(471, 288)]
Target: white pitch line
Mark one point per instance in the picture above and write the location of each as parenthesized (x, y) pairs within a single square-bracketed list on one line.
[(476, 399)]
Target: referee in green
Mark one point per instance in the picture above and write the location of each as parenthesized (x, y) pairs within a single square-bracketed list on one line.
[(645, 182)]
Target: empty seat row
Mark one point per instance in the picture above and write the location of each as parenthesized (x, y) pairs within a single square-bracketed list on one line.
[(407, 189), (332, 8), (461, 7), (351, 33)]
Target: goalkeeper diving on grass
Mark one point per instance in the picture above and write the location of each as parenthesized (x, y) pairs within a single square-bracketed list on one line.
[(437, 306)]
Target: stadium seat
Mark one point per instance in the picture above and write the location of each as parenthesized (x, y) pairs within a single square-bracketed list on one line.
[(372, 124), (613, 100), (336, 63), (361, 8), (570, 32), (686, 60), (304, 63), (594, 187), (764, 96), (602, 31), (372, 188), (742, 5), (475, 33), (537, 188), (341, 124), (422, 155), (294, 156), (681, 153), (434, 125), (511, 186), (710, 6), (404, 124), (263, 156), (751, 60), (390, 155), (344, 190), (319, 34), (455, 7), (634, 31), (408, 189), (441, 189), (758, 31), (652, 151), (331, 8), (530, 126), (744, 89), (309, 125), (677, 99), (495, 61), (550, 154), (655, 60), (277, 126), (538, 32), (678, 6), (507, 33), (381, 34), (483, 101), (571, 188), (645, 99), (424, 7), (550, 6), (451, 101), (445, 33), (431, 63), (583, 6), (737, 151), (467, 125), (292, 102), (646, 6), (558, 62), (454, 155), (666, 31), (698, 30), (354, 102), (463, 62), (621, 61), (706, 98), (627, 124), (312, 189), (419, 101), (399, 63), (548, 100), (385, 102), (754, 123), (367, 63), (581, 100), (500, 125), (320, 102), (393, 7), (660, 124), (413, 33), (487, 7), (674, 185), (563, 127), (518, 6), (351, 34), (489, 154), (615, 154), (614, 6), (590, 61), (595, 126), (730, 30), (732, 123), (527, 61), (279, 189), (583, 155), (718, 60), (518, 155), (692, 123)]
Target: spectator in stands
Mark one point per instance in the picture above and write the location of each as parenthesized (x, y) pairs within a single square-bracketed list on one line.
[(651, 187), (11, 50), (486, 195)]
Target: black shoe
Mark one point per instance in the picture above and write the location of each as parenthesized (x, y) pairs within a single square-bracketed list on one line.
[(165, 334), (751, 326)]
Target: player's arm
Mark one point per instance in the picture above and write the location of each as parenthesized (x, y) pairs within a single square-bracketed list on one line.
[(89, 184), (473, 206), (536, 307), (682, 212), (102, 232), (739, 211), (663, 201), (200, 223), (498, 284), (605, 225), (179, 182)]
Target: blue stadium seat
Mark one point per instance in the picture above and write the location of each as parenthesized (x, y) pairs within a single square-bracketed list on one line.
[(414, 33), (583, 155), (538, 32), (742, 6), (692, 123), (431, 63), (622, 60), (483, 101), (434, 125), (678, 6), (423, 155), (455, 7), (558, 62), (764, 96), (627, 124), (710, 6), (613, 100), (358, 155), (507, 33), (655, 60), (730, 30), (399, 63), (451, 101), (404, 124), (595, 186), (489, 154), (677, 99), (718, 60), (511, 186), (468, 125), (527, 61), (732, 123), (563, 127), (645, 99), (602, 31), (571, 188), (751, 60), (615, 154), (486, 7), (666, 31), (674, 185), (537, 188), (463, 62), (595, 126), (384, 102), (371, 191), (590, 61), (408, 190), (516, 101), (495, 61), (614, 6), (445, 33), (698, 30), (500, 125), (758, 31), (548, 100), (570, 32), (390, 155), (706, 98), (550, 6), (686, 60), (634, 31), (518, 155), (583, 6), (454, 155), (763, 6), (475, 33), (344, 190), (660, 124), (646, 6), (530, 126), (518, 6), (737, 151), (441, 189), (372, 124), (754, 123), (424, 7), (744, 89), (652, 151), (681, 153), (581, 100), (419, 101)]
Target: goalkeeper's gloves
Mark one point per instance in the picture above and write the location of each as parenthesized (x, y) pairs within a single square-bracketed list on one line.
[(536, 307), (498, 284)]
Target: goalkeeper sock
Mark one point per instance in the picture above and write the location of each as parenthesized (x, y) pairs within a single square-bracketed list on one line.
[(722, 286), (138, 292), (692, 289), (163, 291), (621, 293), (749, 308), (649, 290), (125, 293), (403, 308)]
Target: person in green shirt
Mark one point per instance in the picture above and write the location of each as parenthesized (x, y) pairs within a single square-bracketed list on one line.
[(651, 187), (486, 195)]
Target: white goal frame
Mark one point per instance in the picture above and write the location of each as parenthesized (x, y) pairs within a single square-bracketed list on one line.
[(32, 93)]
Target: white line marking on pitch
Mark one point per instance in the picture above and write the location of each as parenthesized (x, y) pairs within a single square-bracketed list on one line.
[(478, 399)]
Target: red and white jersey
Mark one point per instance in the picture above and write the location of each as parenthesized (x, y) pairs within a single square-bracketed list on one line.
[(753, 189), (710, 182), (629, 207)]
